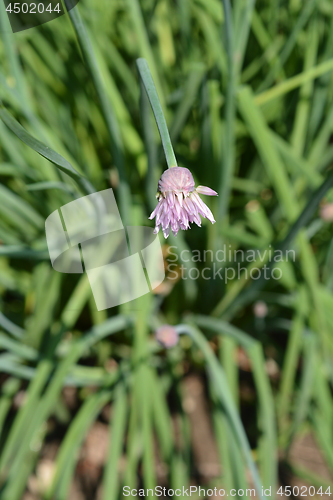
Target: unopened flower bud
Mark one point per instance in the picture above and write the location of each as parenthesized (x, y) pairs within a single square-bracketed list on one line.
[(260, 309), (167, 336)]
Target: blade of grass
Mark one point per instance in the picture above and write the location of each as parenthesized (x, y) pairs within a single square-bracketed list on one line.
[(116, 440), (148, 459), (11, 327), (9, 389), (227, 354), (43, 150), (302, 406), (238, 299), (67, 455), (145, 48), (223, 328), (290, 367), (272, 162), (109, 116), (294, 82), (20, 350), (151, 148), (267, 448), (242, 31), (191, 89), (298, 136), (36, 410), (162, 418), (290, 44), (24, 415), (227, 167)]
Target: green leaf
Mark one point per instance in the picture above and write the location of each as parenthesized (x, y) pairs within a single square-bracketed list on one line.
[(41, 149)]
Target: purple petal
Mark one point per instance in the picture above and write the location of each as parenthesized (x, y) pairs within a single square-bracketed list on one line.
[(180, 198), (171, 198), (174, 226), (206, 190), (159, 214), (197, 220), (184, 217), (166, 232), (178, 208), (191, 207), (204, 210), (158, 206)]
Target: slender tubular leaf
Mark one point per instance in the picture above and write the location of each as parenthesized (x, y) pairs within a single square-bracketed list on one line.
[(320, 427), (305, 393), (18, 349), (275, 168), (10, 327), (25, 414), (239, 299), (38, 411), (268, 458), (148, 462), (223, 328), (43, 150), (151, 148), (289, 370), (66, 459), (161, 418), (308, 475), (242, 31), (288, 47), (110, 119), (227, 168), (190, 94), (298, 136), (227, 354), (39, 186), (144, 43), (116, 440), (8, 391), (294, 82)]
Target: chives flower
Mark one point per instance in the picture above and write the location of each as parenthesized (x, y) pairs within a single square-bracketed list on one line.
[(179, 202), (260, 309), (167, 336)]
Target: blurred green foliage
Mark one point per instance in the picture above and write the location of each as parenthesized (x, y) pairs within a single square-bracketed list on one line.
[(247, 94)]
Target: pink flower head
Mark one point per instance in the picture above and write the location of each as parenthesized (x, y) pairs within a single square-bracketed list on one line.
[(167, 336), (326, 212), (179, 202)]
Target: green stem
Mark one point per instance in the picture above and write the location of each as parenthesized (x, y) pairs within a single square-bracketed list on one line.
[(248, 295), (150, 88)]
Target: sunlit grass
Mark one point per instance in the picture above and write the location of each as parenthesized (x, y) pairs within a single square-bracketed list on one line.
[(247, 97)]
